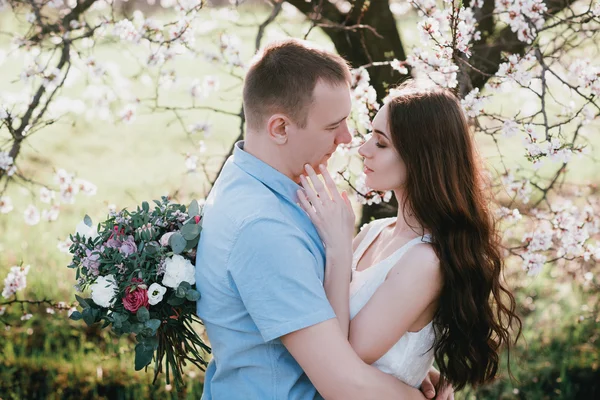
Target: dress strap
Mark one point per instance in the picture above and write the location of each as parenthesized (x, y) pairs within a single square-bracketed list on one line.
[(375, 229), (393, 259)]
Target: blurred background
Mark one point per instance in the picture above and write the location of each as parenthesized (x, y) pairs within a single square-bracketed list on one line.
[(108, 104)]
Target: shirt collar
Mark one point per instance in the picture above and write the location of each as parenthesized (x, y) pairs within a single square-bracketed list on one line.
[(269, 176)]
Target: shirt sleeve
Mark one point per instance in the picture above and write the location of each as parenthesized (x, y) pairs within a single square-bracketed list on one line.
[(276, 275)]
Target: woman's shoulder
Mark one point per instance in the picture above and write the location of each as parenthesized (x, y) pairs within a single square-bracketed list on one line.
[(422, 260)]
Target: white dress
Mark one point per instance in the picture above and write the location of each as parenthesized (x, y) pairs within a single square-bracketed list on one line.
[(412, 356)]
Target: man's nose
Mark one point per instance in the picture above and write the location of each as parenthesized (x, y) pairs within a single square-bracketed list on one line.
[(344, 137)]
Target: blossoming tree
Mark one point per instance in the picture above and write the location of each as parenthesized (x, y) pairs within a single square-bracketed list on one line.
[(524, 70)]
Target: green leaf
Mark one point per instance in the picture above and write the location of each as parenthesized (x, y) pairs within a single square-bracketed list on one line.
[(82, 302), (145, 206), (193, 209), (88, 316), (143, 314), (76, 316), (185, 285), (153, 324), (136, 328), (177, 243), (126, 327), (87, 220), (151, 248), (192, 244), (180, 292), (143, 356), (192, 295), (176, 301), (190, 231)]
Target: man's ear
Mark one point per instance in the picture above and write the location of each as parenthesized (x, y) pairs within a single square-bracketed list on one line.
[(277, 128)]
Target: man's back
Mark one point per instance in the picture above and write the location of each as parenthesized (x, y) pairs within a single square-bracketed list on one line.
[(259, 270)]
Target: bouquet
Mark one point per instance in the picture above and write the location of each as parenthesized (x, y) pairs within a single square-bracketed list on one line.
[(139, 269)]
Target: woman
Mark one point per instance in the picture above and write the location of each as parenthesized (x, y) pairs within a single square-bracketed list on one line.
[(425, 285)]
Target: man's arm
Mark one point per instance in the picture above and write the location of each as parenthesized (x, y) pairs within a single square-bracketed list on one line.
[(336, 370)]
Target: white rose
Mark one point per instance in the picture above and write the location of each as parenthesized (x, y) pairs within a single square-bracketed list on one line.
[(156, 293), (86, 231), (104, 289), (177, 270)]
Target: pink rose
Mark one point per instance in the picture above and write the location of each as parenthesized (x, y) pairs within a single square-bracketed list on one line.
[(197, 219), (136, 298), (113, 243), (128, 246), (164, 240)]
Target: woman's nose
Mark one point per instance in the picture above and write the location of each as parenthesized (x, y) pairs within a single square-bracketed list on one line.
[(361, 150)]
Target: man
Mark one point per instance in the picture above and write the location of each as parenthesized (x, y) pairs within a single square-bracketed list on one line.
[(260, 262)]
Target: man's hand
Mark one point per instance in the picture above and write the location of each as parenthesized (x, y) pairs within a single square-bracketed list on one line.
[(429, 384)]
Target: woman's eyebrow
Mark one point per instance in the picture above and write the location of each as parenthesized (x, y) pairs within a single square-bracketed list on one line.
[(381, 133)]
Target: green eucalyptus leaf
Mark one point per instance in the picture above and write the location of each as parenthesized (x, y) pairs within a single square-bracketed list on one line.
[(136, 328), (192, 244), (192, 295), (145, 206), (76, 316), (143, 356), (88, 316), (180, 292), (153, 324), (190, 231), (87, 220), (82, 302), (177, 243), (193, 209), (143, 314), (175, 301)]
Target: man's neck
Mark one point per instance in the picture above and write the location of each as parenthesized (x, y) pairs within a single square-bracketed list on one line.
[(269, 155)]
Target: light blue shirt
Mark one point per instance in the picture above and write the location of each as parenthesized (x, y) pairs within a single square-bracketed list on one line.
[(259, 270)]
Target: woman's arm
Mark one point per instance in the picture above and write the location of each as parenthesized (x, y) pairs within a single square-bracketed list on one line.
[(411, 288)]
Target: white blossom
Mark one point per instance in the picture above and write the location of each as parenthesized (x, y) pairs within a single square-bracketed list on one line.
[(399, 66), (32, 215), (473, 103), (533, 263), (6, 161), (5, 205), (510, 128), (46, 195), (15, 281)]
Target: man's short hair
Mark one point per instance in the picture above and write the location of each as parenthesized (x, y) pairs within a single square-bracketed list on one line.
[(282, 79)]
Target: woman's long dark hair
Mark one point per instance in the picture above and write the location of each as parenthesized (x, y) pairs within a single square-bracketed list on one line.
[(445, 191)]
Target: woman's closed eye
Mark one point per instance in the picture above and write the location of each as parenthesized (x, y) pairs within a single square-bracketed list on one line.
[(381, 146)]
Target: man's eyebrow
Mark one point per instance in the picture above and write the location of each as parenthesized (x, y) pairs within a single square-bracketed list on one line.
[(338, 122), (381, 133)]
